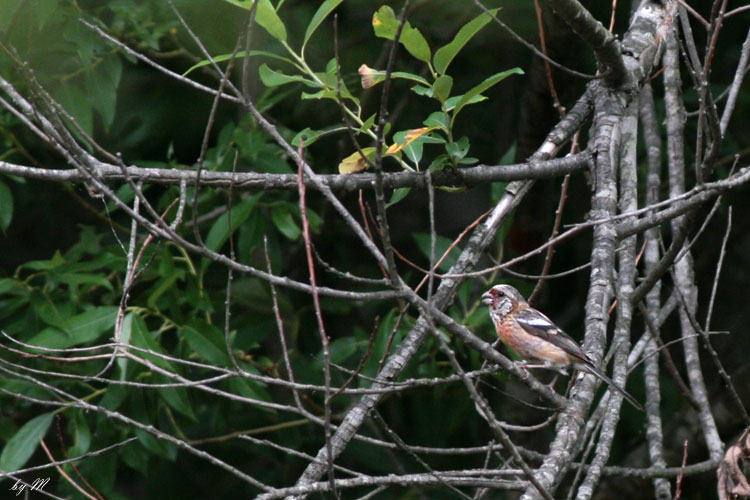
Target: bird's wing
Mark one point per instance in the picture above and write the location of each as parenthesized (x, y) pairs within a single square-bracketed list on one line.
[(537, 324)]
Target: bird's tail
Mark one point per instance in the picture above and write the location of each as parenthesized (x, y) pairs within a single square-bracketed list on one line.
[(591, 368)]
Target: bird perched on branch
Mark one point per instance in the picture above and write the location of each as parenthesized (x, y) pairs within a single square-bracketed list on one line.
[(534, 337)]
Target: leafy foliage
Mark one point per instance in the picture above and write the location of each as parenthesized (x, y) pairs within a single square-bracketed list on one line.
[(173, 322)]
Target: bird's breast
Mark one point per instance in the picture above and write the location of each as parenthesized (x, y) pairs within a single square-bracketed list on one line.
[(528, 346)]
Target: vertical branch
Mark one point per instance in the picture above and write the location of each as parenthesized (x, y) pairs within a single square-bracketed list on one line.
[(604, 140), (130, 276), (129, 270), (433, 235), (230, 271), (249, 27), (722, 252), (654, 431), (717, 21), (204, 144), (625, 285), (566, 181), (683, 269), (280, 327), (613, 17), (318, 316), (382, 120), (547, 67)]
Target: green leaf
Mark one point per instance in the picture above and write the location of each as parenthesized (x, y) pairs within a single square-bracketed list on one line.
[(489, 82), (367, 125), (328, 94), (79, 329), (284, 222), (444, 55), (340, 350), (322, 12), (207, 341), (75, 279), (220, 231), (142, 337), (442, 87), (422, 90), (250, 236), (238, 55), (273, 78), (114, 396), (156, 446), (133, 457), (46, 265), (437, 119), (266, 16), (458, 149), (163, 285), (8, 284), (79, 428), (451, 102), (310, 136), (177, 398), (414, 149), (383, 340), (6, 206), (76, 102), (439, 163), (250, 389), (20, 387), (126, 333), (398, 195), (101, 88), (415, 43), (23, 444), (385, 24), (441, 246), (52, 313)]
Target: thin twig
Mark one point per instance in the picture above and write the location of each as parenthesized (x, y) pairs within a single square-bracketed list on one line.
[(319, 317)]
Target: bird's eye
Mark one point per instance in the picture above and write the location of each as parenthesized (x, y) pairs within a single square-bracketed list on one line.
[(500, 294)]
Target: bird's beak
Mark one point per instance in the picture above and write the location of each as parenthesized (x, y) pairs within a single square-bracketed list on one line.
[(486, 298)]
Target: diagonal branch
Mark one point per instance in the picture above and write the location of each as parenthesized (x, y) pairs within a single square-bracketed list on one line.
[(604, 44)]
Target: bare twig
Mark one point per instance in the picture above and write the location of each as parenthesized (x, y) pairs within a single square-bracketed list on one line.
[(319, 318)]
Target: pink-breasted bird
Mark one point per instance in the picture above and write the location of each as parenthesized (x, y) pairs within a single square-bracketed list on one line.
[(534, 337)]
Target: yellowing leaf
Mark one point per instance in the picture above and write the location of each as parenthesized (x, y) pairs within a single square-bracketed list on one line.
[(409, 137), (355, 162), (385, 24)]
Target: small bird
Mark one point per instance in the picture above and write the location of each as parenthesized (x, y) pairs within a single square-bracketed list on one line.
[(533, 336)]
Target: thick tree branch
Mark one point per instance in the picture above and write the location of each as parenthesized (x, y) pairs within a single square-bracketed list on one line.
[(602, 42), (465, 177)]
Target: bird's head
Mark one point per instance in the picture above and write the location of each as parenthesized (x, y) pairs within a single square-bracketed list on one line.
[(502, 299)]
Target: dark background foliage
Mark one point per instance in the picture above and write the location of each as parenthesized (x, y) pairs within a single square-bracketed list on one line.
[(61, 255)]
